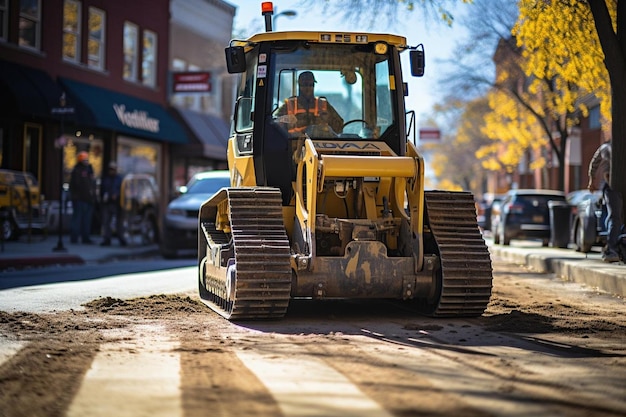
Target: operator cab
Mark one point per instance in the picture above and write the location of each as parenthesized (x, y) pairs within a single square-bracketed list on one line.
[(357, 88), (361, 81)]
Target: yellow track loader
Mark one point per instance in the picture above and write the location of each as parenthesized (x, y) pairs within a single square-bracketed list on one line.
[(327, 196)]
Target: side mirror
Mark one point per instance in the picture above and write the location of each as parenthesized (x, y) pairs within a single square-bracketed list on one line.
[(417, 62), (235, 59)]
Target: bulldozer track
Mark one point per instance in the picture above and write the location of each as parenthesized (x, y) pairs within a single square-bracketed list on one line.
[(258, 240), (465, 261)]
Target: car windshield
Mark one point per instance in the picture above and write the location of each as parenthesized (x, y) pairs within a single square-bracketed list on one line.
[(208, 185)]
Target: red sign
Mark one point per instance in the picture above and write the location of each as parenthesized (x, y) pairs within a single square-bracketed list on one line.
[(430, 133), (192, 82)]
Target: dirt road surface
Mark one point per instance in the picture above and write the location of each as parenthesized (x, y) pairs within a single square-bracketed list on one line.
[(544, 347)]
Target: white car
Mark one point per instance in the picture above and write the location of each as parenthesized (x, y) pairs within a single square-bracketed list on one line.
[(180, 223)]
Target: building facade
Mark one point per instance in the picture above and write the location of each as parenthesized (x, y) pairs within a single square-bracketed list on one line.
[(201, 90), (92, 75), (583, 139)]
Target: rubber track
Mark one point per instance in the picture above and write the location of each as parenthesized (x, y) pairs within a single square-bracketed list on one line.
[(465, 260), (262, 257)]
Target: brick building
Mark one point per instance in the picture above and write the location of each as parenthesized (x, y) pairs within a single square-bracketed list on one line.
[(110, 60), (583, 140)]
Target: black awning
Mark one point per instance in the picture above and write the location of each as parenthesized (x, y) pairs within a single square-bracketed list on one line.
[(27, 90), (210, 131), (122, 113)]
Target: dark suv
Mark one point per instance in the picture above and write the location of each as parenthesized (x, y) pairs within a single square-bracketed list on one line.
[(525, 214)]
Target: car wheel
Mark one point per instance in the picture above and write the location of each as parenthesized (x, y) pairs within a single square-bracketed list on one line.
[(169, 253), (581, 242), (149, 231), (577, 246), (9, 231), (506, 240)]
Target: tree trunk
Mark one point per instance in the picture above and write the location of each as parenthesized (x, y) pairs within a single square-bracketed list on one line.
[(614, 48), (562, 145)]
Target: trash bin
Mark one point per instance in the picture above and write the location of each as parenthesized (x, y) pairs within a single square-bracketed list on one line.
[(560, 217)]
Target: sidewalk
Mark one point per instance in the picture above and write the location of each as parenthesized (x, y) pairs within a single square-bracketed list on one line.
[(573, 266), (40, 251), (587, 269)]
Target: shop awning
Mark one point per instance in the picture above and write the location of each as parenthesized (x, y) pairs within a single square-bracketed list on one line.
[(124, 114), (210, 131), (27, 90)]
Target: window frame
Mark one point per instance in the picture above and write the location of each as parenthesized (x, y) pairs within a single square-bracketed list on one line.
[(36, 19), (149, 58), (77, 32), (131, 51), (98, 63)]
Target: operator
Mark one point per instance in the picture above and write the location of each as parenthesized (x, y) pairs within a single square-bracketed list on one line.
[(599, 179), (306, 109)]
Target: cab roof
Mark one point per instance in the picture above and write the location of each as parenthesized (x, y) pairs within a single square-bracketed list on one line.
[(353, 38)]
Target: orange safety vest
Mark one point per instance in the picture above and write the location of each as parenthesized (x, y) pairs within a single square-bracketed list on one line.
[(321, 105)]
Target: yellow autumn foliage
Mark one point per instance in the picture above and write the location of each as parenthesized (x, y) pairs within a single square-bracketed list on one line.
[(560, 42)]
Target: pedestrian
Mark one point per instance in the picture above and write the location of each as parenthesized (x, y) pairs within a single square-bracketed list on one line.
[(83, 196), (599, 179), (110, 192)]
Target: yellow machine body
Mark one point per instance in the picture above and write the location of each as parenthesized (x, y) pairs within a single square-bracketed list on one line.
[(323, 212)]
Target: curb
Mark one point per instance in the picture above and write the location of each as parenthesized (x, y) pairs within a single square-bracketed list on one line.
[(575, 267), (39, 261)]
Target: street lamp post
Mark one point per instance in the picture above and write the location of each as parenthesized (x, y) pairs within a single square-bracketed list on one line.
[(288, 13), (60, 143)]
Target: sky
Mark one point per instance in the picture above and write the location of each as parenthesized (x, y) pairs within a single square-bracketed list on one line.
[(437, 37)]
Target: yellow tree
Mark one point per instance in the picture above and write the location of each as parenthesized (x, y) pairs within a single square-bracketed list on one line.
[(516, 135), (580, 43), (459, 146)]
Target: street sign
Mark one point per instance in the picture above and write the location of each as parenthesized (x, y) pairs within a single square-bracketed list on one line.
[(430, 134), (192, 82)]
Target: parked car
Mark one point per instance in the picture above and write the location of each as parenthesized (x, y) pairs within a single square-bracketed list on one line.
[(576, 197), (21, 204), (524, 214), (494, 214), (140, 202), (588, 224), (180, 223), (484, 209)]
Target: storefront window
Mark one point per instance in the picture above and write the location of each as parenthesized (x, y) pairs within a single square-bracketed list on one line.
[(71, 30), (96, 42), (30, 24), (78, 143), (131, 32), (137, 156)]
